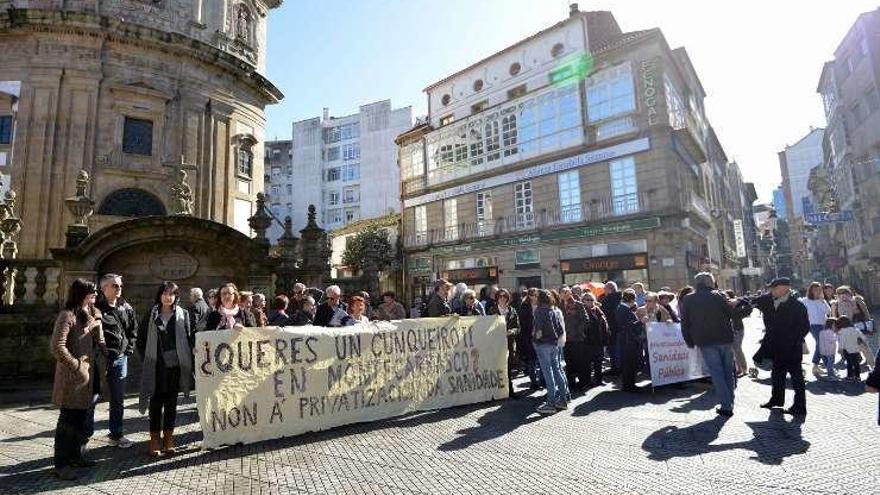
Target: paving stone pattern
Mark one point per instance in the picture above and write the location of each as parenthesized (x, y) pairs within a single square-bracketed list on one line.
[(608, 442)]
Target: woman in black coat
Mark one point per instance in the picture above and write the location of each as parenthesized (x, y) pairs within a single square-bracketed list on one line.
[(502, 308), (525, 347), (228, 314)]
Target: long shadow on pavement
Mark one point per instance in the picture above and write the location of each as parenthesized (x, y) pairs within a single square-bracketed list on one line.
[(37, 476), (773, 441), (496, 423)]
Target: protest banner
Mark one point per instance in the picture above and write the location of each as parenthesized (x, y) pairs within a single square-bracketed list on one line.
[(261, 383), (671, 360)]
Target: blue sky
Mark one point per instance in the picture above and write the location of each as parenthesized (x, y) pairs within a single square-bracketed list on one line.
[(759, 61)]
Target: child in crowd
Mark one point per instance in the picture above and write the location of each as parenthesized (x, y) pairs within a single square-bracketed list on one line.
[(850, 340), (828, 345)]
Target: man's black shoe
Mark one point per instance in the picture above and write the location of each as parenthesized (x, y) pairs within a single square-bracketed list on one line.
[(724, 412), (796, 411), (83, 463), (771, 405)]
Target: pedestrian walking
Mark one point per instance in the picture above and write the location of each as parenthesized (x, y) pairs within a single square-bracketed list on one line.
[(851, 341), (166, 347), (786, 323), (549, 339), (818, 310), (75, 338), (119, 323), (229, 314), (706, 323), (828, 346)]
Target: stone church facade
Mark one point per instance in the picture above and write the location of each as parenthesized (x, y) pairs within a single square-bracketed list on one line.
[(131, 91)]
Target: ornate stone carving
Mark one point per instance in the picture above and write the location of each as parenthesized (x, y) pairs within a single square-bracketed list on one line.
[(82, 207), (177, 266), (181, 195)]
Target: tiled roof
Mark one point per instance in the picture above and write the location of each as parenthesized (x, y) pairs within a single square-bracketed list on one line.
[(625, 39)]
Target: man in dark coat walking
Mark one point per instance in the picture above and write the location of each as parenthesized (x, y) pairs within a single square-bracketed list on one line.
[(706, 323), (438, 303), (786, 324)]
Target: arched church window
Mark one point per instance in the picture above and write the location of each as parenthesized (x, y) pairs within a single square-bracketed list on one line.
[(131, 202)]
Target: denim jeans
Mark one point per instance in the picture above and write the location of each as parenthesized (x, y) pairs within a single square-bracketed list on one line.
[(815, 330), (116, 372), (719, 360), (551, 367)]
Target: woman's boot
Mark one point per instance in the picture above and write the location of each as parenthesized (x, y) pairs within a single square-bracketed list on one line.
[(168, 445), (154, 445)]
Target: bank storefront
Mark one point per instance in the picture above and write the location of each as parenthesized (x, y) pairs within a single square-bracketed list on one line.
[(614, 251)]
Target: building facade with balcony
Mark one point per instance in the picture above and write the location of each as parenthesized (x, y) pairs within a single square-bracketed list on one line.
[(849, 86), (278, 167), (345, 166), (578, 154)]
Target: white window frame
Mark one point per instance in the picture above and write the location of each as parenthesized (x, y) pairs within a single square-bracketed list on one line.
[(450, 219), (524, 205), (569, 196), (484, 213), (603, 89), (624, 186), (421, 224)]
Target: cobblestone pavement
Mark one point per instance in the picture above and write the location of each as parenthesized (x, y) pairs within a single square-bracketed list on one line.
[(608, 442)]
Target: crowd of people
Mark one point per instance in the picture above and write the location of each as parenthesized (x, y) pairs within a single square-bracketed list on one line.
[(564, 340)]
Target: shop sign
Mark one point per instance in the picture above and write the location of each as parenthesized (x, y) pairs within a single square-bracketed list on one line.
[(830, 218), (530, 258), (576, 233), (740, 237), (420, 265), (649, 90), (605, 264), (471, 274)]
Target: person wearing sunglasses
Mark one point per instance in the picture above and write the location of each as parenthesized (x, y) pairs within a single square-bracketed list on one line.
[(120, 333)]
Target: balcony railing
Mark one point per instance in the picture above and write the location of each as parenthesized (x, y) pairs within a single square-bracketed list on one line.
[(595, 210)]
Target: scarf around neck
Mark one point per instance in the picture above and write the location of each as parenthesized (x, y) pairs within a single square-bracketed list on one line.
[(228, 316)]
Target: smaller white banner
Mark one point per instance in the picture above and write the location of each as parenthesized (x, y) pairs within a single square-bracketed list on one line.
[(740, 237), (671, 360)]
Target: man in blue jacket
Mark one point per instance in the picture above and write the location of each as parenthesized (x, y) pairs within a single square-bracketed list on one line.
[(706, 323), (786, 323)]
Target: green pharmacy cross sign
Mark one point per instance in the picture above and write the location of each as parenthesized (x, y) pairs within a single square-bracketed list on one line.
[(571, 69)]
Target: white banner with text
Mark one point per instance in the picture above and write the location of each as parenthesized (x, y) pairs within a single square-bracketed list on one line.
[(671, 360), (261, 383)]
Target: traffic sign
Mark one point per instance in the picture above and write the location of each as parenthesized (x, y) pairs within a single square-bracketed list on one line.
[(830, 218)]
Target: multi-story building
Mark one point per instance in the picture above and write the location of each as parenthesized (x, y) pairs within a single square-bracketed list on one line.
[(278, 164), (779, 202), (345, 166), (578, 154), (849, 86), (795, 163)]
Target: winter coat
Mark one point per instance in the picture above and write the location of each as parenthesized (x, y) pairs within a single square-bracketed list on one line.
[(475, 310), (598, 332), (576, 322), (610, 302), (302, 319), (785, 326), (120, 327), (324, 315), (198, 315), (849, 338), (437, 306), (526, 324), (827, 342), (215, 321), (546, 327), (395, 312), (279, 319), (706, 319), (73, 345), (627, 325)]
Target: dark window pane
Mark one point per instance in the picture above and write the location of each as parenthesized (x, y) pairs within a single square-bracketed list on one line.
[(5, 129), (131, 203), (137, 137)]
